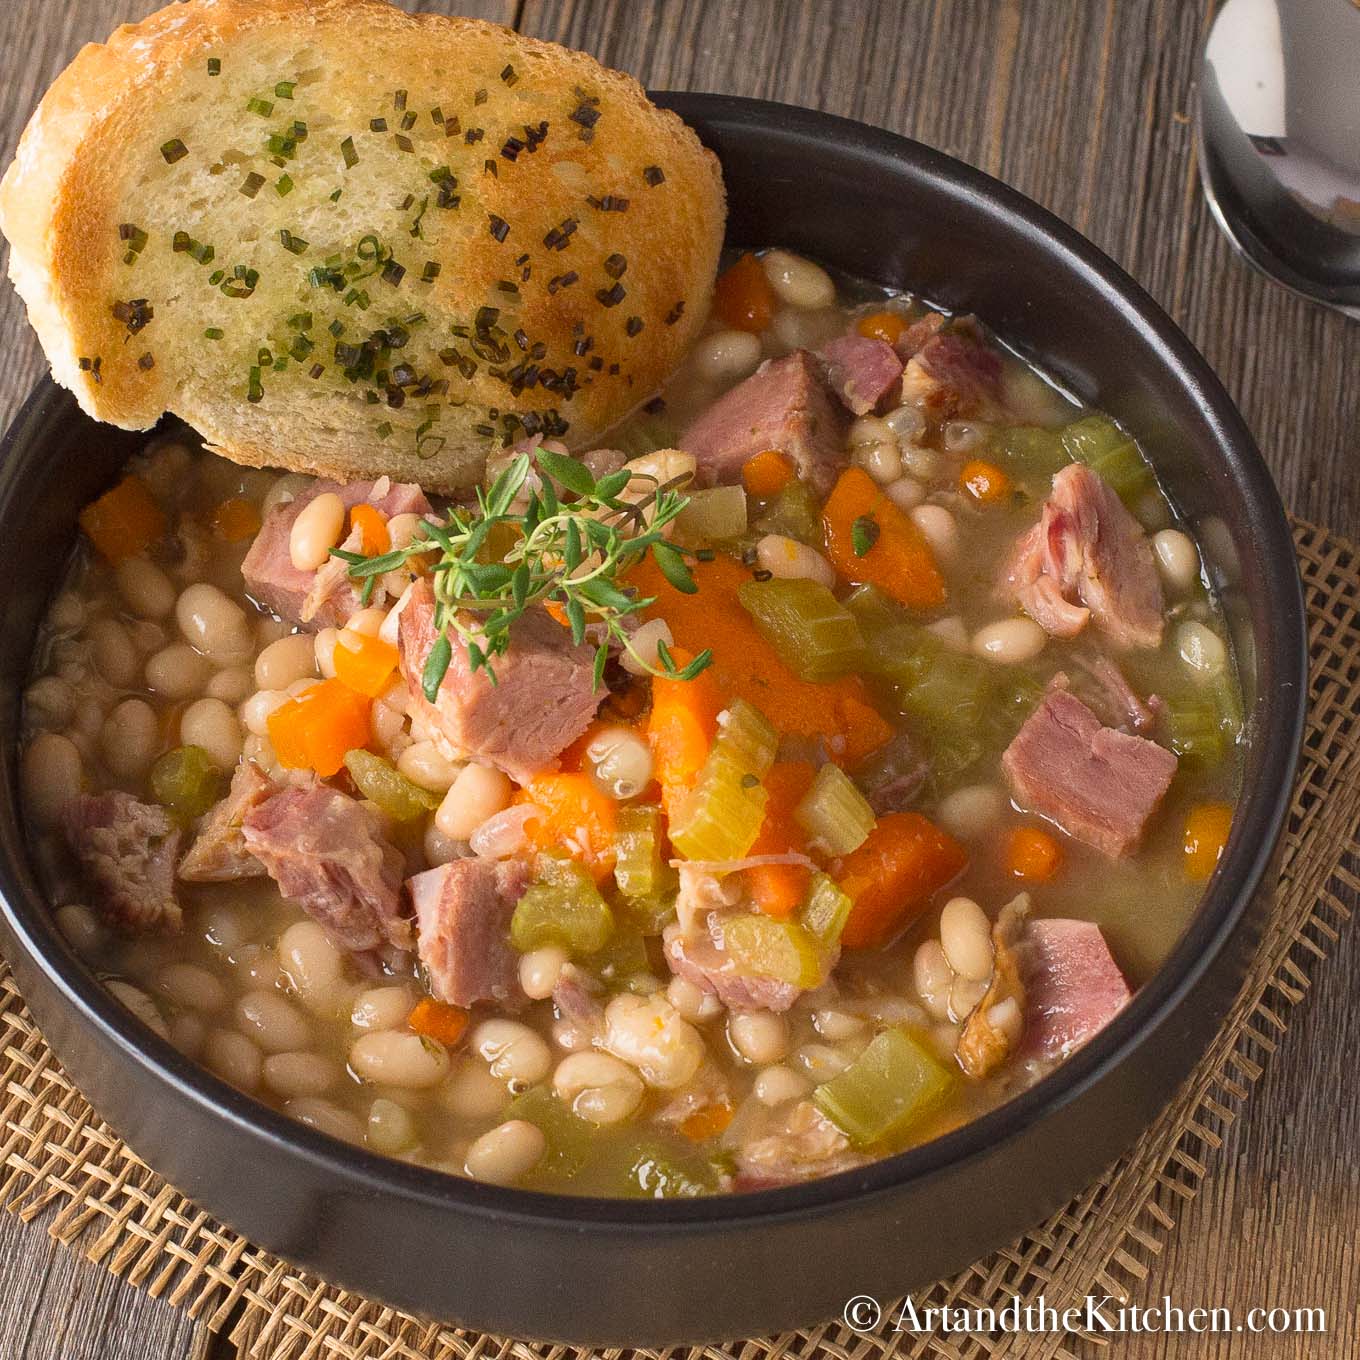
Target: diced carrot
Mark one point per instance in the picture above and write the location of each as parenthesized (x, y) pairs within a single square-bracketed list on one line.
[(577, 817), (768, 473), (707, 1123), (236, 520), (742, 297), (372, 526), (984, 481), (1206, 833), (778, 890), (365, 663), (124, 521), (680, 729), (1033, 854), (438, 1020), (315, 730), (885, 326), (838, 713), (898, 559), (891, 878)]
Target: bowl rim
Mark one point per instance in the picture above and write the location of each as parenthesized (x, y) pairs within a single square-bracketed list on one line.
[(1260, 816)]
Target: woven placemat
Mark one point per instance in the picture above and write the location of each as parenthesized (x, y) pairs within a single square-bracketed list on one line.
[(58, 1160)]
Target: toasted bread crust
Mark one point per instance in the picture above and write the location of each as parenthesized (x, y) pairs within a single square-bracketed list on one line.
[(125, 329)]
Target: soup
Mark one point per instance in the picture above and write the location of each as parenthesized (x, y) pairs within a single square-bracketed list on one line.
[(777, 789)]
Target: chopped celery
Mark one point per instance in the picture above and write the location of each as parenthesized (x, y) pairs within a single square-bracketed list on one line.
[(721, 816), (571, 1140), (660, 1174), (887, 1089), (714, 516), (952, 689), (644, 434), (186, 782), (1099, 443), (1031, 450), (784, 950), (834, 812), (382, 784), (637, 847), (824, 913), (651, 914), (563, 908), (795, 513), (815, 635), (623, 956)]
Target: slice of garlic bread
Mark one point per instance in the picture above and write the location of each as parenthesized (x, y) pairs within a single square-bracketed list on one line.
[(340, 238)]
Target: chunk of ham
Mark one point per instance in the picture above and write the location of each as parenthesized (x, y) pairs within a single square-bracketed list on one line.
[(327, 853), (542, 699), (1073, 986), (862, 371), (219, 852), (914, 338), (463, 912), (700, 958), (324, 598), (1087, 559), (806, 1144), (953, 374), (1098, 784), (783, 405), (127, 851)]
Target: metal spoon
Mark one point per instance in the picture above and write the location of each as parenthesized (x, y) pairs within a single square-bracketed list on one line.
[(1279, 141)]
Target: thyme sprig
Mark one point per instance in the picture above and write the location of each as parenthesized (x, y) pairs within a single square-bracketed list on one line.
[(572, 554)]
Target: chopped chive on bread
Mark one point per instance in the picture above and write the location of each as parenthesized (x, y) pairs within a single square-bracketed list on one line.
[(340, 238)]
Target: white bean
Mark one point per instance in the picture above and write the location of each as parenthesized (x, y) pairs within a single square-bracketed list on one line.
[(906, 423), (512, 1051), (145, 588), (966, 938), (382, 1007), (290, 658), (598, 1087), (796, 281), (316, 530), (540, 969), (933, 977), (964, 996), (187, 1032), (790, 560), (794, 328), (176, 671), (691, 1001), (883, 462), (325, 651), (232, 685), (648, 1032), (233, 1058), (209, 723), (507, 1153), (1009, 642), (478, 792), (399, 1058), (391, 1128), (51, 774), (275, 1024), (778, 1085), (620, 762), (259, 966), (401, 529), (471, 1092), (299, 1074), (50, 702), (644, 646), (311, 963), (422, 763), (759, 1037), (113, 654), (256, 710), (139, 1004), (190, 984), (363, 623), (439, 848), (821, 1062), (214, 625), (962, 436), (868, 431), (940, 530), (1202, 650), (924, 463), (951, 631), (970, 812), (67, 612), (1007, 1017), (727, 356), (128, 739), (834, 1025), (82, 928), (325, 1117)]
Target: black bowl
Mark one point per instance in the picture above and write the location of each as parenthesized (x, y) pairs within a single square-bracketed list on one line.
[(630, 1272)]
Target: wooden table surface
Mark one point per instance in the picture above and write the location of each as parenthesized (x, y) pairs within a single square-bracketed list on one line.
[(1087, 107)]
